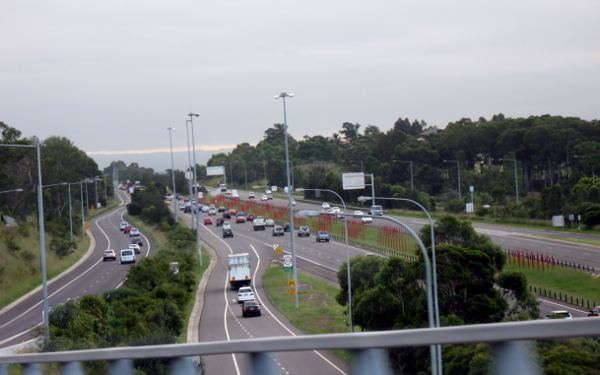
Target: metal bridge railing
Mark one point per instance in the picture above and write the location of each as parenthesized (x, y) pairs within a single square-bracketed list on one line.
[(513, 352)]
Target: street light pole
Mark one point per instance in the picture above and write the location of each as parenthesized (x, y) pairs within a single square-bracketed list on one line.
[(436, 308), (284, 95), (458, 166), (11, 191), (412, 181), (192, 115), (82, 211), (70, 214), (96, 190), (348, 273), (42, 234), (87, 201), (514, 160), (189, 169), (173, 175)]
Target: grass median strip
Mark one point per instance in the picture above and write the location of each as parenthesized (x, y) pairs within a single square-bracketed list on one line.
[(318, 311)]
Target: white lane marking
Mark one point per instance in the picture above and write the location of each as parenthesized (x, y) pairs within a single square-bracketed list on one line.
[(19, 334), (561, 305), (235, 364), (278, 321)]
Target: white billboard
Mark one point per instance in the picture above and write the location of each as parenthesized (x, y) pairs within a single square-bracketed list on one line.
[(215, 171), (353, 180)]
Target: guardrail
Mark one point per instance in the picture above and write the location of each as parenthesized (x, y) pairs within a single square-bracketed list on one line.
[(513, 353)]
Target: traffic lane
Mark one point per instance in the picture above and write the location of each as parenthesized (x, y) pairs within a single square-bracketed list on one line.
[(270, 323), (18, 328), (547, 306)]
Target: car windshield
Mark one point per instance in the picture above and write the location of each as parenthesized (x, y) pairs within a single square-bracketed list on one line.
[(108, 252), (127, 253)]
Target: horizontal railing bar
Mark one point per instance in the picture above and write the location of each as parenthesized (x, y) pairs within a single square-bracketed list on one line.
[(525, 330)]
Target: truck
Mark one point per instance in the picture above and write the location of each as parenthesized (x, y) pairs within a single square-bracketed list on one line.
[(258, 223), (239, 270)]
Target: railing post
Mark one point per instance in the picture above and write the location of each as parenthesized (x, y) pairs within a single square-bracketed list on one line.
[(31, 369), (262, 364), (183, 365), (71, 368), (370, 361), (121, 366), (515, 357)]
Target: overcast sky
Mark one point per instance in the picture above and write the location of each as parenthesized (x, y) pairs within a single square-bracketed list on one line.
[(113, 75)]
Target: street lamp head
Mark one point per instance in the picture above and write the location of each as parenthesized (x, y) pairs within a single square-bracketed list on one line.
[(19, 190), (300, 190), (193, 114), (362, 198), (284, 95), (64, 183)]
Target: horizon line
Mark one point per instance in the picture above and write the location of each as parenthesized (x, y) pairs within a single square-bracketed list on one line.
[(159, 150)]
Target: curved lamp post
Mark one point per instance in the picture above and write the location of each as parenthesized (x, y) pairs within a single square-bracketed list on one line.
[(348, 274)]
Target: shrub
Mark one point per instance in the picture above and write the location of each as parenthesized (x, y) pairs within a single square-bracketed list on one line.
[(61, 246), (455, 205)]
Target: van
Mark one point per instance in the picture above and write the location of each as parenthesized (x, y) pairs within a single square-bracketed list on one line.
[(234, 194), (376, 210)]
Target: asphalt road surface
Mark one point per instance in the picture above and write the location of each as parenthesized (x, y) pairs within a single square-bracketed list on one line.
[(92, 276)]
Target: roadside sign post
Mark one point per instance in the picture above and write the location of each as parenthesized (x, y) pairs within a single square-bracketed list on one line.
[(287, 263)]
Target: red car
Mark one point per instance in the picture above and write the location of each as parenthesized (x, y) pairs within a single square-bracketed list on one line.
[(250, 218), (207, 221), (127, 229), (232, 212), (240, 219)]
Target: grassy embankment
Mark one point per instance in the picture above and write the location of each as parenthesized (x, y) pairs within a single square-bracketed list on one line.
[(577, 284), (318, 312), (160, 242), (20, 269)]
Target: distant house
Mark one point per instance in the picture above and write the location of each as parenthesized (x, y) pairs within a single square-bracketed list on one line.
[(427, 132)]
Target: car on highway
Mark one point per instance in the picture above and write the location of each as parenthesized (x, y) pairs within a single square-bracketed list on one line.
[(240, 219), (269, 223), (268, 192), (219, 221), (221, 209), (366, 219), (227, 232), (127, 229), (322, 236), (208, 221), (376, 210), (245, 293), (205, 209), (250, 308), (594, 311), (251, 195), (135, 247), (250, 217), (134, 232), (287, 227), (293, 202), (226, 215), (109, 254), (304, 231), (232, 212), (325, 206), (559, 314), (226, 224), (278, 231), (264, 198), (123, 225), (127, 256), (212, 211), (137, 240)]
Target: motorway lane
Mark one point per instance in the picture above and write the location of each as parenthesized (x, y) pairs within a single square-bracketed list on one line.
[(92, 276), (222, 319)]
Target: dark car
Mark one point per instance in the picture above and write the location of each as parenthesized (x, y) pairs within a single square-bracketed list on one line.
[(322, 236), (220, 221), (240, 213), (226, 215), (304, 231), (250, 308), (221, 209), (287, 227), (594, 311), (250, 218), (227, 233), (278, 230), (137, 241)]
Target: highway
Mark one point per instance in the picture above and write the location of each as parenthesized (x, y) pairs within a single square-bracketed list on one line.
[(221, 317), (91, 275)]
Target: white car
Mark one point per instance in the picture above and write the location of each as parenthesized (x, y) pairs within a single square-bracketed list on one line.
[(135, 247), (134, 232), (293, 202), (335, 210), (269, 223), (226, 225), (212, 211), (123, 225), (325, 206), (559, 314), (127, 256), (251, 195), (245, 293), (264, 198), (204, 209), (268, 192), (366, 219), (359, 213)]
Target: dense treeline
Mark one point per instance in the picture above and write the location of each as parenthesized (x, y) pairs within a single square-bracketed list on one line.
[(552, 155)]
